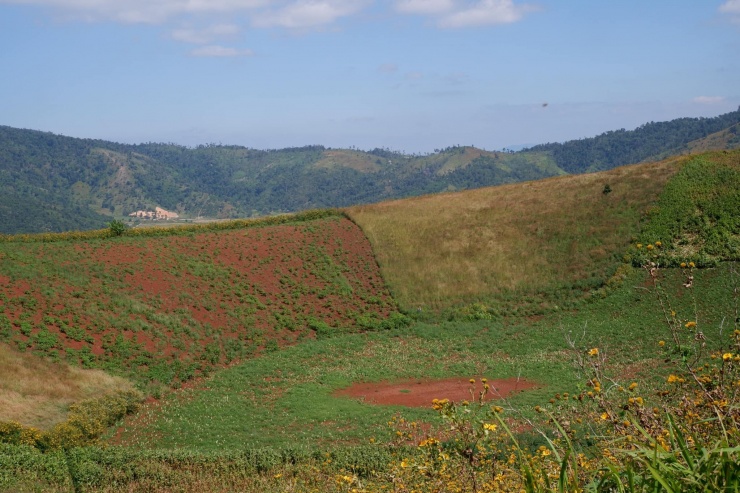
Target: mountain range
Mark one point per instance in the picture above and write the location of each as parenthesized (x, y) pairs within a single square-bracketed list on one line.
[(51, 182)]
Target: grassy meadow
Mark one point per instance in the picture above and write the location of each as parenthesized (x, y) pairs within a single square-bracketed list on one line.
[(529, 245), (619, 303)]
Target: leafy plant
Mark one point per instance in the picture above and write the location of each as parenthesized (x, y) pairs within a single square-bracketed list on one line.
[(117, 228)]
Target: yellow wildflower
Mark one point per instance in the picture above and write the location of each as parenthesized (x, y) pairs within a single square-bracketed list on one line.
[(594, 352), (633, 386), (490, 426), (690, 324), (727, 356), (661, 343)]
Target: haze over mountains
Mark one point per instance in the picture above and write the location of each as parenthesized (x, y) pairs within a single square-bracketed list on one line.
[(55, 183)]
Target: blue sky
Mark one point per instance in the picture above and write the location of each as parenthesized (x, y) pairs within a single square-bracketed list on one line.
[(411, 75)]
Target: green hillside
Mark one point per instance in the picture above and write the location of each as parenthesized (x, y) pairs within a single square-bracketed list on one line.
[(651, 141)]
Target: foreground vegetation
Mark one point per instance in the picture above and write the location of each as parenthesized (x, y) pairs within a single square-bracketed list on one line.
[(638, 387), (664, 412)]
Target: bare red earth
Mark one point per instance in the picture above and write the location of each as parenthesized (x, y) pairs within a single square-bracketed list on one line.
[(200, 299), (420, 393)]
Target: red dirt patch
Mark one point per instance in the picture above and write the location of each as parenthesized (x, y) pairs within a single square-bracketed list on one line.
[(169, 308), (420, 393)]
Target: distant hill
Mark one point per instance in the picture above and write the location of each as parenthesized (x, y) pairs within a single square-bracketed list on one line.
[(51, 182), (649, 142)]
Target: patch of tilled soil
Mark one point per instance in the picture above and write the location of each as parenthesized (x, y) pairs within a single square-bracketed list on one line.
[(420, 393)]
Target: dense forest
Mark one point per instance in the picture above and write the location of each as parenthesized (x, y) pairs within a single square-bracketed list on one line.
[(652, 140), (50, 182)]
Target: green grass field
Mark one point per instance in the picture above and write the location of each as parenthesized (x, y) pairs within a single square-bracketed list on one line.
[(285, 398)]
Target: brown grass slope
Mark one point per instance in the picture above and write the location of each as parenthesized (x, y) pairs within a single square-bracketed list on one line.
[(728, 138), (37, 392), (511, 242)]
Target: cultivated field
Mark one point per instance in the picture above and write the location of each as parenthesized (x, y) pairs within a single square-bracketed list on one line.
[(162, 310)]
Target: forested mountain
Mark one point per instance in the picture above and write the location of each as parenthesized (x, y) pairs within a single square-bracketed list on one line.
[(651, 141), (55, 183)]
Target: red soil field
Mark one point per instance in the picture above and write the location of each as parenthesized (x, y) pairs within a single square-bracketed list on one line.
[(420, 393), (169, 307)]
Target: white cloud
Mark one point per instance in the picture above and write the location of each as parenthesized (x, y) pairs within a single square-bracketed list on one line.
[(142, 11), (708, 99), (730, 7), (388, 68), (425, 7), (486, 13), (466, 13), (290, 14), (302, 14), (216, 51), (206, 35)]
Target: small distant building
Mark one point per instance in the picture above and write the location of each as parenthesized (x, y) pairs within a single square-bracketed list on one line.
[(157, 214)]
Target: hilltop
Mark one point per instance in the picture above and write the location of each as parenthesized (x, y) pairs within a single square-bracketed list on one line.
[(55, 183)]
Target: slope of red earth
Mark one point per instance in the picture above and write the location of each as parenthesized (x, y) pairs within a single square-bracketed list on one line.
[(168, 308)]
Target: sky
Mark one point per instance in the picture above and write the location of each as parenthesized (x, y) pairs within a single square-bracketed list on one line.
[(408, 75)]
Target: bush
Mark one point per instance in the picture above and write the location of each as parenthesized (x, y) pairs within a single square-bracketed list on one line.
[(117, 228)]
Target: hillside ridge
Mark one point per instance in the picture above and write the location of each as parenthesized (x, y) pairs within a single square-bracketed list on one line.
[(52, 183)]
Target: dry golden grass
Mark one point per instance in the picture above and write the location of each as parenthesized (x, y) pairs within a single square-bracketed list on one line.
[(440, 250), (37, 392), (718, 140)]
